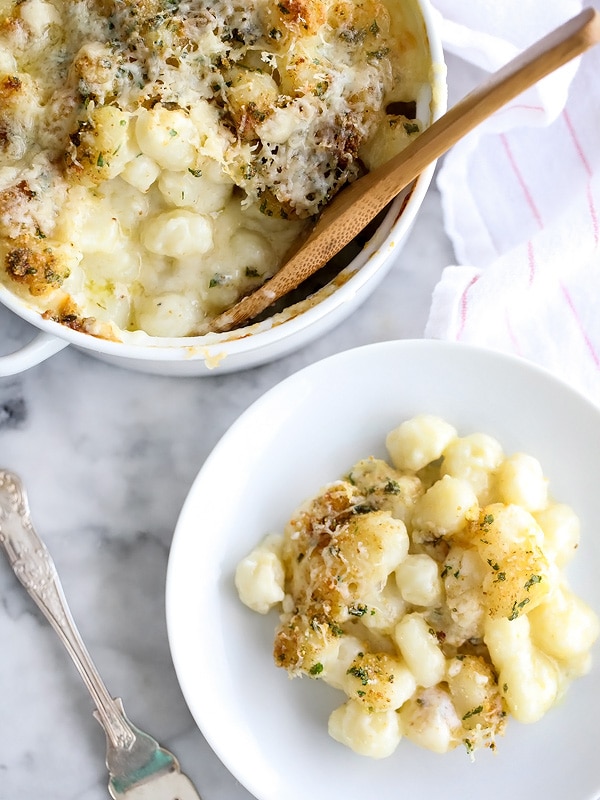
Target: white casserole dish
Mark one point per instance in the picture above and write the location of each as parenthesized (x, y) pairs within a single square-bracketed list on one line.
[(272, 338)]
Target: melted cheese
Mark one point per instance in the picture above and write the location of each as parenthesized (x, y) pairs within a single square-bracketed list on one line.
[(158, 158)]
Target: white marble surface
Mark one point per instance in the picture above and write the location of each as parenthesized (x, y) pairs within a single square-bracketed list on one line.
[(108, 456)]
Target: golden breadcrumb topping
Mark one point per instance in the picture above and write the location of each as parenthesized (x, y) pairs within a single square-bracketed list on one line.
[(138, 139)]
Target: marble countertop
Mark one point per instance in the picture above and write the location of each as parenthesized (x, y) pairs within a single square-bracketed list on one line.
[(108, 456)]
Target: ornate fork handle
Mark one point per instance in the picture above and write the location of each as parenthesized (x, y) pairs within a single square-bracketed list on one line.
[(128, 748), (34, 567), (133, 757)]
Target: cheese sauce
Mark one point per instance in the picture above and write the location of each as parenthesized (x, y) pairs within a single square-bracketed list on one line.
[(159, 158)]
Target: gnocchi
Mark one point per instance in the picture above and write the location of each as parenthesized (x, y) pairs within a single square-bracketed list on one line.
[(228, 127), (429, 590)]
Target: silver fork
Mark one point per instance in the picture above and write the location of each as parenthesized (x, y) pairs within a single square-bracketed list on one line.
[(139, 768)]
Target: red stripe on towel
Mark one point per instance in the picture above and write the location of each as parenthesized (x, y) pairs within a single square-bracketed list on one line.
[(576, 142), (589, 172), (519, 175), (531, 261), (593, 215), (464, 307), (580, 325)]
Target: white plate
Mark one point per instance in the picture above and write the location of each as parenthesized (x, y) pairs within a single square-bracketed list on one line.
[(271, 732)]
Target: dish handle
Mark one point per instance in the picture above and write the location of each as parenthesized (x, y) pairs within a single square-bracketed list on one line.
[(34, 352)]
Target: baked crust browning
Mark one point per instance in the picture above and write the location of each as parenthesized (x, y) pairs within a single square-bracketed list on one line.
[(109, 109)]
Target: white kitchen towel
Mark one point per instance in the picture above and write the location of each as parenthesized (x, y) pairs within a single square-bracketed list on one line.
[(521, 199)]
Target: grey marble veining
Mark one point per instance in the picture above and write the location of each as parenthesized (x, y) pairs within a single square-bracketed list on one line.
[(108, 457)]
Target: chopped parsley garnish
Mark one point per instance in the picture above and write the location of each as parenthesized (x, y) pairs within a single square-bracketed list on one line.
[(517, 607), (534, 579), (473, 712), (487, 521), (379, 54), (362, 508), (217, 280), (360, 673)]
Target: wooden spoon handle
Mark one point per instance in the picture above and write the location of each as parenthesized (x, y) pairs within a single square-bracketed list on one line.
[(353, 208)]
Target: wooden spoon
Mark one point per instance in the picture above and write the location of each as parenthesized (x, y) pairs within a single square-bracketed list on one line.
[(353, 208)]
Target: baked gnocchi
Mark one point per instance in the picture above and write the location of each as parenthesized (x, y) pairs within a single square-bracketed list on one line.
[(158, 158), (429, 589)]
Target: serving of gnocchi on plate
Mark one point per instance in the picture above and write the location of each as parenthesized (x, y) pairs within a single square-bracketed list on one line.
[(448, 488), (429, 589)]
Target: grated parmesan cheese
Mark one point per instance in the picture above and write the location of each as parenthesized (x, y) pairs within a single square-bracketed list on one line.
[(122, 122)]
